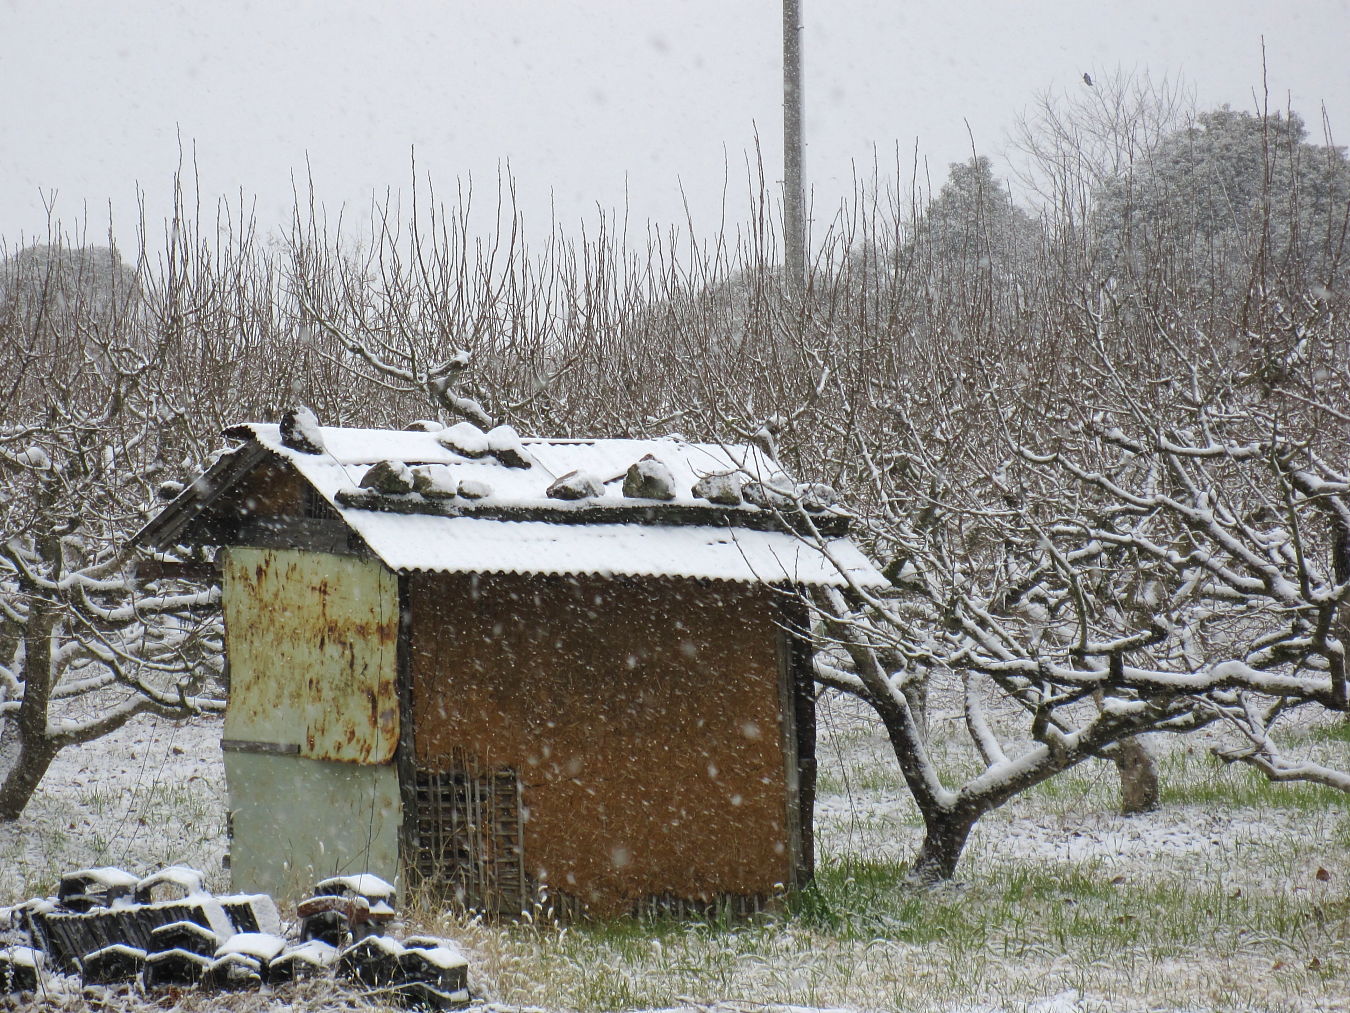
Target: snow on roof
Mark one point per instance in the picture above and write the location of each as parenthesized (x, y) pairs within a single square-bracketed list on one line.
[(187, 879), (105, 876), (348, 453), (114, 949), (440, 953), (23, 956), (477, 545), (510, 525), (314, 952), (386, 945)]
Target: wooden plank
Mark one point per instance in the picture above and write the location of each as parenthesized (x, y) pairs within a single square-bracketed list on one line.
[(167, 528), (405, 758), (307, 534), (787, 731), (797, 625)]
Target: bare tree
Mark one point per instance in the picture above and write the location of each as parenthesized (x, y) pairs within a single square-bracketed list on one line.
[(1112, 498), (1129, 577), (86, 436)]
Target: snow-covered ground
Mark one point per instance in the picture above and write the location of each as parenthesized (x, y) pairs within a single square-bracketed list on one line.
[(152, 795), (147, 796)]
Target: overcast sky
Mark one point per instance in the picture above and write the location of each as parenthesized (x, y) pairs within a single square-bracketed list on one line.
[(592, 102)]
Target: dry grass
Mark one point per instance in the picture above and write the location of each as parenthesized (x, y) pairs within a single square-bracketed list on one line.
[(1233, 897)]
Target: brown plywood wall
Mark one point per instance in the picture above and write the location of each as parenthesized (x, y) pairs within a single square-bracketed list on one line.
[(643, 718)]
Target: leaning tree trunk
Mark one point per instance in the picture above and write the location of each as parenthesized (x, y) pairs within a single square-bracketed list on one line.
[(26, 750), (1138, 776), (1340, 565), (24, 760), (944, 839)]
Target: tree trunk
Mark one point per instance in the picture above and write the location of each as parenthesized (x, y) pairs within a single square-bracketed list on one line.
[(1340, 564), (916, 695), (26, 751), (1138, 777), (944, 840), (23, 763)]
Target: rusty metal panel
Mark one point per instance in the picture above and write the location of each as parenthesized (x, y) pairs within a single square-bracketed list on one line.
[(312, 644)]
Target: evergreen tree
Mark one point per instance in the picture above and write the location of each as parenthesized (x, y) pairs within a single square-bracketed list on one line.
[(973, 221), (1230, 187)]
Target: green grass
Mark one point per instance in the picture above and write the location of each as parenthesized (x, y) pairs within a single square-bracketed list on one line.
[(1190, 779), (1091, 786), (1337, 731), (862, 779), (1018, 909)]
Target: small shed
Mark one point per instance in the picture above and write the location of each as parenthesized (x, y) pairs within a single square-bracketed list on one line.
[(522, 671)]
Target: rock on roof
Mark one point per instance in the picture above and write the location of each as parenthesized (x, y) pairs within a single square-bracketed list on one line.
[(462, 501)]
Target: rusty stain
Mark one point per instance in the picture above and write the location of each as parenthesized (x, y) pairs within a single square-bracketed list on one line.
[(312, 644)]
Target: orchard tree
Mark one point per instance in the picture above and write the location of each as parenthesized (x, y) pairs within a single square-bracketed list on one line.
[(1125, 575), (1121, 507), (86, 435)]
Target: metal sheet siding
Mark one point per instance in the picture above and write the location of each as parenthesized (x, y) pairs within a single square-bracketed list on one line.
[(297, 821), (312, 643)]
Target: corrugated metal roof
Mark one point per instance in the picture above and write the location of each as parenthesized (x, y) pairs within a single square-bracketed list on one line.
[(477, 544)]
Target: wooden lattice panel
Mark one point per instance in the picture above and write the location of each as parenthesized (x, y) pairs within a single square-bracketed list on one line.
[(469, 838)]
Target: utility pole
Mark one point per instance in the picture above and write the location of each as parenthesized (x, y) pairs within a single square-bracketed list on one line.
[(794, 213)]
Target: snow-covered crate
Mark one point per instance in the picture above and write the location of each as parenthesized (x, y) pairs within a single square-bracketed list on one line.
[(243, 960), (184, 935), (437, 963), (373, 961), (21, 969), (67, 938), (426, 996), (173, 968), (86, 889), (112, 965), (302, 960)]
